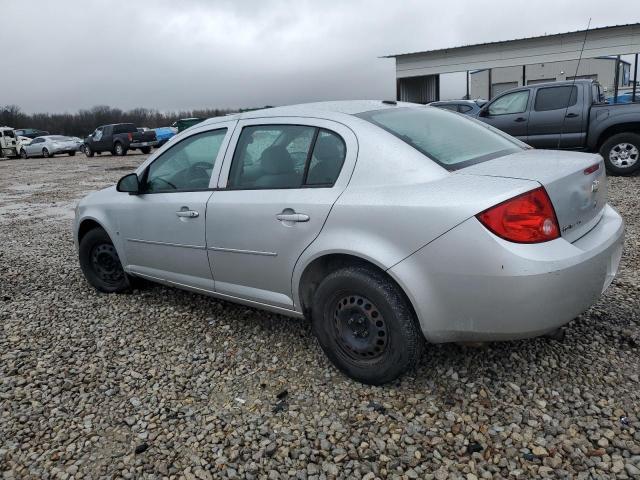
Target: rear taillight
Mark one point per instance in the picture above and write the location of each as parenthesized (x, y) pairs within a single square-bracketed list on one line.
[(527, 218), (130, 137)]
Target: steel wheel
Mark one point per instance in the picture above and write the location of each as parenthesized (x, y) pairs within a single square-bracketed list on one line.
[(624, 155), (106, 264), (359, 327)]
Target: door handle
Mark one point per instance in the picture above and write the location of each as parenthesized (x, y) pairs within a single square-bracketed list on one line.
[(187, 213), (292, 217), (571, 115), (520, 119)]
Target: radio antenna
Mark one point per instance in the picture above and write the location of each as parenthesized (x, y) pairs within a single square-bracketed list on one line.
[(584, 41)]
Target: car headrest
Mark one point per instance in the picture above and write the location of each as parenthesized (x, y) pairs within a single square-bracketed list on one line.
[(276, 160)]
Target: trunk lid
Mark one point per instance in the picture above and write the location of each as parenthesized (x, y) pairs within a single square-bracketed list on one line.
[(578, 194)]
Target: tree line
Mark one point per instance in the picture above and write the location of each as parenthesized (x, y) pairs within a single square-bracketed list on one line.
[(84, 122)]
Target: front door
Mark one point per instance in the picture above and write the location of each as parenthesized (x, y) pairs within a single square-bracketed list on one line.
[(163, 228), (557, 119), (509, 113), (99, 140), (35, 147), (277, 187)]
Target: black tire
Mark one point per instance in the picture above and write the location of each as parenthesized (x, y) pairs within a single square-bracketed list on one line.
[(118, 149), (71, 154), (621, 153), (87, 151), (146, 150), (374, 337), (100, 263), (45, 153), (23, 154)]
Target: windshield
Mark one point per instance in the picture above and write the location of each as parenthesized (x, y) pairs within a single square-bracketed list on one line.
[(451, 140)]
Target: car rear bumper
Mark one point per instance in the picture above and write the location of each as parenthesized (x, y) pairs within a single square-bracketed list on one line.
[(143, 144), (469, 285)]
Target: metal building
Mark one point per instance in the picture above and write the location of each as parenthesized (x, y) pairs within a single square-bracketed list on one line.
[(521, 60)]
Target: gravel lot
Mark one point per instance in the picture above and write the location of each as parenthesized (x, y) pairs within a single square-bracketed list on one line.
[(165, 383)]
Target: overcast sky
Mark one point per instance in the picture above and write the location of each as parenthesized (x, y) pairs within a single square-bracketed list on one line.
[(183, 54)]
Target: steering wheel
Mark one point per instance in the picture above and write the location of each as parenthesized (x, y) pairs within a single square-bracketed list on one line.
[(198, 173)]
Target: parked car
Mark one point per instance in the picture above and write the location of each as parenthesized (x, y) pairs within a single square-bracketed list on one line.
[(8, 142), (119, 138), (384, 224), (163, 134), (570, 115), (31, 132), (49, 146), (468, 107)]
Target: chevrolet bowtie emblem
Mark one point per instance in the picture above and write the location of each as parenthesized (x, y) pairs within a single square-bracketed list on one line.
[(595, 186)]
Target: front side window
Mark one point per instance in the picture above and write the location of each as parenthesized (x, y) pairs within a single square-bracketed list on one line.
[(555, 98), (187, 166), (286, 156), (515, 102), (452, 141), (97, 135)]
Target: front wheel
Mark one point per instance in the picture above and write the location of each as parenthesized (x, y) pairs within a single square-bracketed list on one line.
[(365, 325), (146, 150), (45, 153), (71, 154), (100, 263), (621, 153), (87, 151)]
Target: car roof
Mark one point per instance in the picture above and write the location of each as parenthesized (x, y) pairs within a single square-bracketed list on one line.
[(334, 110), (557, 84)]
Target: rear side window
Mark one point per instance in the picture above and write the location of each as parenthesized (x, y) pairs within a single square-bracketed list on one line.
[(452, 141), (286, 156), (555, 98), (125, 128)]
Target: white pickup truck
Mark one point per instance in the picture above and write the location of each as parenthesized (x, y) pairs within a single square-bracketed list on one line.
[(8, 142)]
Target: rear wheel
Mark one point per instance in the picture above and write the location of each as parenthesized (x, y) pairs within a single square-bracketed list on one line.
[(365, 325), (23, 153), (71, 154), (621, 153), (100, 263), (45, 153), (119, 150), (146, 150)]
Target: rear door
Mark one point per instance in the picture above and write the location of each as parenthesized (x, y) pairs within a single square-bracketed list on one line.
[(277, 186), (509, 113), (163, 228), (557, 119)]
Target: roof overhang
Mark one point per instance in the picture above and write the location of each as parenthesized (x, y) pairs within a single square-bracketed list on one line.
[(604, 41)]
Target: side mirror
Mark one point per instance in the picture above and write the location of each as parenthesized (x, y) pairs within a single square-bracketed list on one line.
[(129, 184)]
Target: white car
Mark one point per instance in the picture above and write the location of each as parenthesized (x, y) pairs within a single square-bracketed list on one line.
[(385, 224), (49, 145)]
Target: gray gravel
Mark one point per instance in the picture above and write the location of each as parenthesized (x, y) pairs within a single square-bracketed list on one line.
[(165, 383)]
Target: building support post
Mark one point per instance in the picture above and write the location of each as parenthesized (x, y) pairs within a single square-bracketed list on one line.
[(616, 80), (524, 75), (635, 78), (489, 96), (468, 96)]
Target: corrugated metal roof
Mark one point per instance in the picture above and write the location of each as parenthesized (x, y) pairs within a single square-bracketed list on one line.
[(508, 41)]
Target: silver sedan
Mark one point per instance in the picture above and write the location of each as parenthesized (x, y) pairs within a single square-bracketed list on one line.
[(49, 145), (388, 225)]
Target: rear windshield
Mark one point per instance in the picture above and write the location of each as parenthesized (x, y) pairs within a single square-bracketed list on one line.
[(58, 137), (451, 140)]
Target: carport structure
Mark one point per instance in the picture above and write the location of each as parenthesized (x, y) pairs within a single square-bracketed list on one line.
[(418, 73)]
